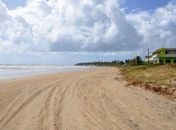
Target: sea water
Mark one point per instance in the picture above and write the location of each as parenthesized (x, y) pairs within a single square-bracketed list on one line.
[(13, 71)]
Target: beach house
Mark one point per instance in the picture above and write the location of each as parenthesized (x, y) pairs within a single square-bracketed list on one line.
[(162, 56)]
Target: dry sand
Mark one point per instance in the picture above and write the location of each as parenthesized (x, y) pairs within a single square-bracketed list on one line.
[(88, 100)]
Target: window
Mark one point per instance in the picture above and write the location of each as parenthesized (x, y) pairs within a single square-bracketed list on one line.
[(168, 61), (171, 52)]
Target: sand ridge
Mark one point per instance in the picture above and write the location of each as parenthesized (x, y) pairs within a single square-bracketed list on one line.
[(97, 99)]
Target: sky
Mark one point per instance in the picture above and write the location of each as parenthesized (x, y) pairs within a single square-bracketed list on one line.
[(13, 4), (144, 4), (65, 32)]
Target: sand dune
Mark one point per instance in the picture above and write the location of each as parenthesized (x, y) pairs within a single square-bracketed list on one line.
[(87, 100)]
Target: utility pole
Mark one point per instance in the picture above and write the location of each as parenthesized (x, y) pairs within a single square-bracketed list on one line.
[(136, 60), (148, 54)]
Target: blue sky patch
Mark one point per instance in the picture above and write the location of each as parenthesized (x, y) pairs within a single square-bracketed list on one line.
[(144, 4), (129, 4), (13, 4)]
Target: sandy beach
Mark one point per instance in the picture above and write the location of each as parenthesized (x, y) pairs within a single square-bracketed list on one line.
[(96, 99)]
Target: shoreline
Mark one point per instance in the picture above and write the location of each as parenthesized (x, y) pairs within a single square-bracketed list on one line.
[(36, 74)]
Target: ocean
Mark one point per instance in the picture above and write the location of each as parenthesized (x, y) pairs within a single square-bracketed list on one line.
[(14, 71)]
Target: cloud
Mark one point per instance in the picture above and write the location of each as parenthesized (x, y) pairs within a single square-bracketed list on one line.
[(68, 25), (84, 26), (15, 32), (158, 27)]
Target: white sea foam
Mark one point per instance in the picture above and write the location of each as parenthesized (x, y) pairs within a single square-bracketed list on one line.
[(13, 71)]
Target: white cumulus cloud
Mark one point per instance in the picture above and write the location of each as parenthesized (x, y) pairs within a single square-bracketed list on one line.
[(84, 26), (67, 25), (157, 27)]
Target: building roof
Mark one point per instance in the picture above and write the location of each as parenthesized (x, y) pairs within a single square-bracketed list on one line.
[(168, 49)]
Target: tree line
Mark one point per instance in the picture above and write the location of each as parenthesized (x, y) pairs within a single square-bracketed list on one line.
[(134, 61)]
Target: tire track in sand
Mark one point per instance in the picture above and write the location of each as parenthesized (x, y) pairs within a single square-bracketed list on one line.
[(95, 110), (10, 107), (58, 118), (23, 105), (44, 113)]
